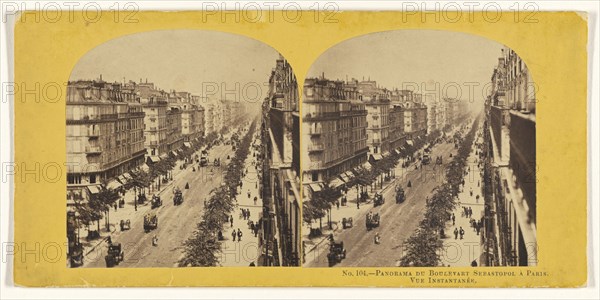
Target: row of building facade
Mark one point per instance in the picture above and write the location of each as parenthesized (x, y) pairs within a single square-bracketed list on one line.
[(347, 124), (113, 128), (280, 177), (511, 181)]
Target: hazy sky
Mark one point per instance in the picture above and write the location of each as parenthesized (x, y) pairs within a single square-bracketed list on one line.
[(395, 58), (184, 60)]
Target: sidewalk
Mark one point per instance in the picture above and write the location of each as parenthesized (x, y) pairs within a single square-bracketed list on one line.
[(461, 252), (242, 253)]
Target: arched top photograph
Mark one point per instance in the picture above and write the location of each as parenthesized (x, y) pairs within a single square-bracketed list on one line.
[(192, 116), (403, 131)]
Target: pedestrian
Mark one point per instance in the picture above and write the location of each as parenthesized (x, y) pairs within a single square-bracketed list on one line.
[(337, 204), (239, 234), (231, 221), (377, 239), (478, 228), (470, 212), (455, 233), (474, 263), (115, 206), (248, 193), (461, 232), (453, 219), (255, 199), (233, 234), (358, 204), (248, 213)]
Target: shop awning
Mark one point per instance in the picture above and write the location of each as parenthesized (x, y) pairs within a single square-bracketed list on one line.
[(368, 165), (127, 176), (122, 179), (344, 177), (145, 168), (349, 174), (376, 157), (409, 142), (336, 183), (164, 155), (154, 159), (187, 144), (93, 189), (174, 153), (114, 184), (315, 187)]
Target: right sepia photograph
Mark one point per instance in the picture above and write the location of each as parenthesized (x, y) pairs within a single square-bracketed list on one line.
[(419, 150)]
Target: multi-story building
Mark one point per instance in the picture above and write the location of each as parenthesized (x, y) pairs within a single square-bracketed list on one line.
[(209, 123), (436, 114), (335, 126), (415, 115), (103, 134), (155, 105), (397, 136), (377, 102), (511, 188), (280, 129), (174, 139), (453, 110), (198, 120)]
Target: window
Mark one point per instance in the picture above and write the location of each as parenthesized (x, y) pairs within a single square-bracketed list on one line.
[(315, 176)]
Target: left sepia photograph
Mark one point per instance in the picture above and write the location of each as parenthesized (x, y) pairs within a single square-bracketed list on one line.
[(183, 151)]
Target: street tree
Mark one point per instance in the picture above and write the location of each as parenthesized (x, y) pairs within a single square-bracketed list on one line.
[(422, 249)]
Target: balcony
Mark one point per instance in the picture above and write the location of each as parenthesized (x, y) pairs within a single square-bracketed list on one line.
[(523, 156), (316, 148), (321, 116), (353, 113), (108, 117), (93, 150), (500, 122)]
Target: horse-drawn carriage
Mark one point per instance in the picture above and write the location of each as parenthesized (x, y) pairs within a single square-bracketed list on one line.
[(364, 196), (141, 199), (347, 223), (372, 221), (178, 198), (156, 201), (114, 255), (378, 200), (150, 221), (125, 224), (336, 254), (400, 197)]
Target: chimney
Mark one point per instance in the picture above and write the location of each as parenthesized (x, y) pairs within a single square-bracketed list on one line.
[(146, 79), (100, 77)]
